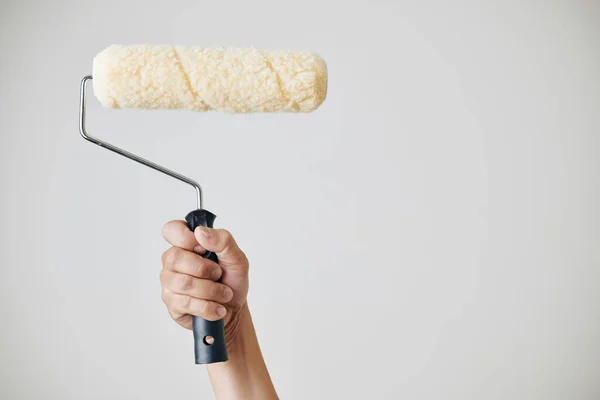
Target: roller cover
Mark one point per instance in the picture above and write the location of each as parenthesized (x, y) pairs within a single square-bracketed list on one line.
[(235, 80)]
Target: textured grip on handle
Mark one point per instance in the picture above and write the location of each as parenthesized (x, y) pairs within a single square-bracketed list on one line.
[(217, 351)]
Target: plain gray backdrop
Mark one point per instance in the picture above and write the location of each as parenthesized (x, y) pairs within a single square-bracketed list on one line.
[(431, 232)]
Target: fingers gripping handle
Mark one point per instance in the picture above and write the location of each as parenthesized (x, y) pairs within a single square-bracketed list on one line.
[(205, 351)]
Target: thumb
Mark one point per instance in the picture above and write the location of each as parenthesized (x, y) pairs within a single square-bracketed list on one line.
[(221, 242)]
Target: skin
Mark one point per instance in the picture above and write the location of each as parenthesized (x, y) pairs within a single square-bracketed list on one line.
[(190, 287)]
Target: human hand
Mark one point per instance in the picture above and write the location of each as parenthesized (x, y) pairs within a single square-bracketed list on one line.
[(192, 285)]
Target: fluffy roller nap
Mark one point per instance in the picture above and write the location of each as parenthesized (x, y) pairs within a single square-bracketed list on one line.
[(203, 79)]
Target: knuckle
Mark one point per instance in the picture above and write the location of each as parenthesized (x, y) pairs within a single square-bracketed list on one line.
[(172, 255), (185, 301), (205, 308), (226, 240), (185, 282), (214, 291), (227, 236), (177, 317), (226, 293), (202, 270), (163, 276)]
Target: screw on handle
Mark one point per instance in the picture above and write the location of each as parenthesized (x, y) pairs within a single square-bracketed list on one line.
[(209, 336)]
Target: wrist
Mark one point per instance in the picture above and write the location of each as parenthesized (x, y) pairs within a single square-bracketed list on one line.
[(244, 375)]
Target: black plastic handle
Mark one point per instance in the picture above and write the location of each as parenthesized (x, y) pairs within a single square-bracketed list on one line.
[(206, 352)]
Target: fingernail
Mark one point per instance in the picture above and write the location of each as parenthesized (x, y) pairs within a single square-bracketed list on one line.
[(198, 249), (215, 275), (228, 294), (221, 311), (204, 231)]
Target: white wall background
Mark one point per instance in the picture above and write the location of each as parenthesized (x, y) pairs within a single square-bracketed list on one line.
[(432, 232)]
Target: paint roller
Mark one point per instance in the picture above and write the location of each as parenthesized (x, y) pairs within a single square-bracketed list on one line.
[(230, 80)]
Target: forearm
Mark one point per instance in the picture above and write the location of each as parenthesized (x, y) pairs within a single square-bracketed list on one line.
[(245, 375)]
